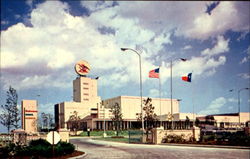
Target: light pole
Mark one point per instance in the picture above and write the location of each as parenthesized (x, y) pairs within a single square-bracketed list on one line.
[(246, 88), (171, 89), (239, 101), (104, 128), (125, 49)]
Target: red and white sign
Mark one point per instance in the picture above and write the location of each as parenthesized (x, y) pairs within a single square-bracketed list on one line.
[(82, 67)]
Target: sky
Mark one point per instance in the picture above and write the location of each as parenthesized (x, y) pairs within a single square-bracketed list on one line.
[(42, 40)]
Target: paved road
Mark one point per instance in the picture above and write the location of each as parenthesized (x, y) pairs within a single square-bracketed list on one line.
[(111, 150)]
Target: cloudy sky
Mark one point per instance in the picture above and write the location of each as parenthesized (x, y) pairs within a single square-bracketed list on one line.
[(41, 41)]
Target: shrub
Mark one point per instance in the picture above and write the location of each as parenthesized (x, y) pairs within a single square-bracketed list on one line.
[(66, 148), (6, 151), (172, 138), (41, 142), (36, 149), (21, 150)]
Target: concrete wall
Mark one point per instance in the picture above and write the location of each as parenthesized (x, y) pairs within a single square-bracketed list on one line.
[(64, 135), (159, 134)]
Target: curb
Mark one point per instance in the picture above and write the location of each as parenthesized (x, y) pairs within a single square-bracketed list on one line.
[(208, 146), (79, 157)]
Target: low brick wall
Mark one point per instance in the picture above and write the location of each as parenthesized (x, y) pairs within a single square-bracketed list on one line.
[(159, 134)]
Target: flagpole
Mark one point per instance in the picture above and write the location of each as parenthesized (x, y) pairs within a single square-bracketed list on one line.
[(192, 88), (192, 97), (171, 94), (160, 96)]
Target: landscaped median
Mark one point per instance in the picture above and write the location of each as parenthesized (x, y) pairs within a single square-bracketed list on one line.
[(39, 149)]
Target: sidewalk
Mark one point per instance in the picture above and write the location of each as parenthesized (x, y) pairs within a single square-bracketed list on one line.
[(206, 146), (113, 143)]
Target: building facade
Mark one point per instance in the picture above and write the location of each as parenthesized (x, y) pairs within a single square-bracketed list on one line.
[(29, 115), (85, 100), (90, 112), (229, 120)]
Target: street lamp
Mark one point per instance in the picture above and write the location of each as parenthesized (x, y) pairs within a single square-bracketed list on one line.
[(239, 100), (125, 49), (171, 88)]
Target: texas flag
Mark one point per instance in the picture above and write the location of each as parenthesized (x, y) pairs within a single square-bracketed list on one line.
[(154, 73), (187, 78)]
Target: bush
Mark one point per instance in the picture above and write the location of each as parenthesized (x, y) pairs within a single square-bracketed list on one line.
[(7, 150), (64, 148), (41, 142), (172, 138), (21, 150), (36, 149)]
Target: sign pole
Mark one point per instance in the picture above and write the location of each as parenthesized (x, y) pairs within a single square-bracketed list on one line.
[(53, 138)]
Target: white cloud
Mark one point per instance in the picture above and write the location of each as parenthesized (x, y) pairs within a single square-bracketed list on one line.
[(29, 2), (247, 58), (194, 23), (4, 22), (96, 5), (244, 75), (220, 47), (55, 43), (233, 100), (154, 93), (214, 106), (187, 47), (226, 16)]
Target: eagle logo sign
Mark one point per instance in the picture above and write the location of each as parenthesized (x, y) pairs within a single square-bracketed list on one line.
[(82, 67)]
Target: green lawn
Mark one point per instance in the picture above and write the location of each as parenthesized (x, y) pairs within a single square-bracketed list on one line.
[(100, 133)]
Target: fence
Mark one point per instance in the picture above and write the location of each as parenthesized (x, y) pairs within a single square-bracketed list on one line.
[(135, 136)]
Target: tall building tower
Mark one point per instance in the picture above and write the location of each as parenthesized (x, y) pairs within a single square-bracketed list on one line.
[(85, 98), (29, 115), (84, 89)]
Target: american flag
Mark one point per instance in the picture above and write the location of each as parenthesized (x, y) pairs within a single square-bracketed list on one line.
[(154, 73)]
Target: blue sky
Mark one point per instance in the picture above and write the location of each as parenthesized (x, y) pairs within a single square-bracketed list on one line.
[(42, 40)]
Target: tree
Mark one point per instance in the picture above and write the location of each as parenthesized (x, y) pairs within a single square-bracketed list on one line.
[(10, 115), (117, 117), (149, 116), (47, 120), (44, 120), (50, 121), (73, 121)]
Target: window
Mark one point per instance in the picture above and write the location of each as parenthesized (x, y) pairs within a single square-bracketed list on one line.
[(86, 99), (85, 88), (86, 94), (85, 84)]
